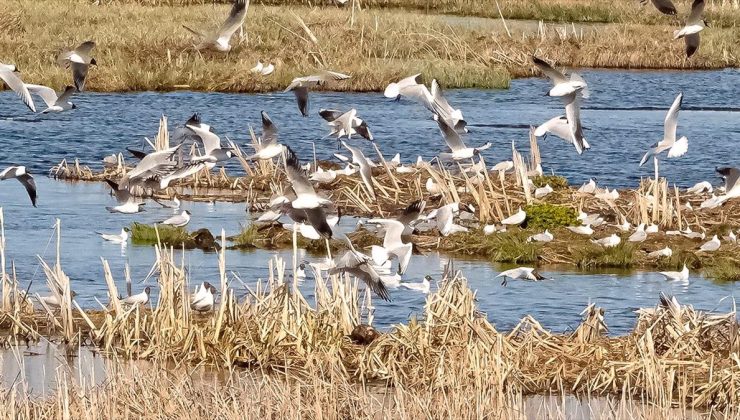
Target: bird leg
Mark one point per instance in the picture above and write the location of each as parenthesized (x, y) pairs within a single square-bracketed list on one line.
[(503, 283)]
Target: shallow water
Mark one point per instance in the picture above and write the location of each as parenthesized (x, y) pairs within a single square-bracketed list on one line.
[(623, 117), (81, 207)]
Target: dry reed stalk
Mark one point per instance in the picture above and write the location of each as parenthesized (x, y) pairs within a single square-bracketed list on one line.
[(4, 278), (162, 141)]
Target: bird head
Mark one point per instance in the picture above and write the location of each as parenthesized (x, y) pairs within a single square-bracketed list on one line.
[(72, 293), (93, 62), (428, 278), (74, 106), (187, 212), (206, 285), (147, 290)]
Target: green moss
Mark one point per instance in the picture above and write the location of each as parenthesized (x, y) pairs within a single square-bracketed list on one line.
[(595, 256), (557, 182), (508, 247), (168, 235), (549, 216)]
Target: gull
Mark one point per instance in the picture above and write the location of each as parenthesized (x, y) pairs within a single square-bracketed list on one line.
[(652, 228), (665, 252), (573, 116), (730, 237), (300, 271), (713, 202), (153, 165), (306, 198), (213, 153), (344, 124), (323, 177), (257, 68), (543, 191), (625, 226), (491, 229), (456, 145), (409, 87), (126, 202), (24, 177), (268, 69), (366, 171), (303, 225), (588, 188), (200, 290), (53, 302), (502, 167), (220, 39), (445, 218), (522, 273), (639, 235), (682, 275), (122, 238), (688, 233), (609, 241), (432, 187), (178, 220), (559, 127), (608, 195), (410, 215), (516, 218), (181, 173), (700, 187), (205, 300), (268, 144), (300, 86), (664, 6), (545, 236), (581, 230), (675, 148), (732, 181), (360, 266), (392, 244), (9, 76), (561, 85), (80, 61), (694, 24), (139, 298), (711, 245), (423, 287), (53, 102), (453, 117)]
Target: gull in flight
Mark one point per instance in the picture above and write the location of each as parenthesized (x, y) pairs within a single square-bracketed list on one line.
[(26, 179), (561, 86), (516, 218), (675, 148), (455, 143), (220, 40), (445, 216), (711, 245), (53, 102), (126, 202), (344, 124), (80, 61), (410, 215), (153, 165), (9, 76), (392, 244), (609, 241), (522, 273), (360, 266), (122, 238), (694, 25), (366, 170), (306, 199), (139, 298), (178, 220), (300, 86), (411, 88), (559, 127), (664, 6), (268, 144), (213, 153), (423, 287), (682, 275)]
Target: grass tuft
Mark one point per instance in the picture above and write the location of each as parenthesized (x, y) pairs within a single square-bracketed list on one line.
[(550, 216), (168, 235), (557, 182), (725, 270), (595, 256)]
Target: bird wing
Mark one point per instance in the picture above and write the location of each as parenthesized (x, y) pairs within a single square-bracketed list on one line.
[(301, 97), (79, 73), (554, 75), (697, 9), (692, 43), (296, 176), (85, 48), (327, 75), (665, 7), (46, 93), (317, 218), (452, 137), (412, 212), (160, 163), (174, 220), (235, 20), (344, 121), (210, 140), (30, 185), (679, 148), (68, 92), (367, 274), (16, 84), (671, 118), (731, 175), (330, 114), (269, 131), (138, 154), (122, 196), (393, 231), (419, 93), (409, 81), (573, 115)]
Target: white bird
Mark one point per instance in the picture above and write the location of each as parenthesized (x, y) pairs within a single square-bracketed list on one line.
[(652, 228), (53, 302), (323, 177), (700, 187), (445, 219), (344, 124), (221, 38), (127, 204), (9, 76), (682, 275), (268, 146), (559, 127), (711, 245), (694, 24), (731, 237), (53, 102), (545, 236), (432, 187), (306, 199), (521, 273), (366, 171), (516, 218), (665, 252), (581, 230), (675, 148), (608, 195), (609, 241), (491, 229), (625, 226), (204, 301), (300, 86), (543, 191), (139, 298), (409, 87), (268, 69), (80, 61), (178, 220), (212, 150), (562, 86), (691, 234), (121, 238), (360, 266), (423, 287), (392, 244), (732, 182), (503, 167), (158, 164), (257, 68), (639, 235), (24, 177), (458, 149), (440, 107), (588, 188)]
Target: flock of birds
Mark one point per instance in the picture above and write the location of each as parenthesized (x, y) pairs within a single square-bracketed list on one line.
[(314, 216)]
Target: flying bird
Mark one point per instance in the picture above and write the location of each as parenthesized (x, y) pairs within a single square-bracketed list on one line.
[(366, 170), (53, 102), (221, 38), (694, 25), (392, 244), (300, 86), (14, 82), (213, 152), (562, 86), (306, 199), (126, 202), (458, 149), (664, 6), (522, 273), (410, 215), (344, 124), (360, 266), (24, 177), (268, 146), (675, 148), (80, 61)]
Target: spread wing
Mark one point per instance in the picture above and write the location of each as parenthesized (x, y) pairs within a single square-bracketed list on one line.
[(330, 114), (452, 137), (552, 74), (665, 7), (16, 84), (234, 21), (692, 43), (67, 94), (296, 176), (210, 141), (671, 119), (697, 9), (269, 130), (30, 185), (46, 93), (79, 73)]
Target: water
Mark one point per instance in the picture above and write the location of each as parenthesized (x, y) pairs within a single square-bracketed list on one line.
[(623, 117), (81, 207)]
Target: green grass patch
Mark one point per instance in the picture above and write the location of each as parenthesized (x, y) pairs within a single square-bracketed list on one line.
[(595, 256), (557, 182), (505, 248), (549, 216), (168, 235), (247, 238), (725, 270)]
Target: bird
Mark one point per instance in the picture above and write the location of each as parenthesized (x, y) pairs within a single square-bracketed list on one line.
[(323, 177), (344, 124), (455, 143), (562, 86), (730, 237), (675, 148), (121, 238), (608, 195), (204, 301), (126, 202), (154, 165), (516, 218), (138, 299), (665, 252), (588, 188), (664, 6), (407, 87), (652, 228), (221, 38), (212, 150), (732, 180), (53, 302), (423, 287), (257, 68), (440, 107), (711, 245), (268, 70), (502, 167), (174, 204), (366, 171), (268, 146), (307, 201), (573, 116), (53, 102), (393, 245), (639, 235), (609, 241), (360, 266), (445, 217), (543, 191), (178, 220), (700, 187), (682, 275), (694, 25), (545, 236), (410, 215), (522, 273), (24, 177), (300, 86), (80, 61), (559, 127), (581, 230), (14, 82)]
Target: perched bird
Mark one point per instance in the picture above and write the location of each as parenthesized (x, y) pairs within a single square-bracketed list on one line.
[(53, 302), (652, 228), (423, 287), (608, 195), (732, 181), (53, 102), (711, 245), (360, 266), (543, 191), (268, 147), (675, 148), (639, 235), (122, 238), (14, 82), (664, 6), (221, 38), (139, 298), (730, 237), (205, 301), (694, 25), (522, 273), (268, 70), (609, 241), (306, 201), (588, 188), (516, 218), (24, 177), (126, 202), (665, 252), (393, 245), (491, 229), (700, 187), (366, 170), (300, 86), (80, 61), (682, 275), (545, 236), (581, 230), (257, 68), (458, 149), (178, 220)]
